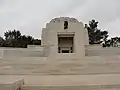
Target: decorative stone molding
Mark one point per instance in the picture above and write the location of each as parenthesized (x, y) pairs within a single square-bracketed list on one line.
[(62, 19)]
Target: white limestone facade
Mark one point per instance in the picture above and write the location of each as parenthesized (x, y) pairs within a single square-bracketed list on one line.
[(55, 29)]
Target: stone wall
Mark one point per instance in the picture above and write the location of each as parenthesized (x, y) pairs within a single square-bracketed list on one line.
[(21, 52), (35, 47), (1, 53), (97, 50)]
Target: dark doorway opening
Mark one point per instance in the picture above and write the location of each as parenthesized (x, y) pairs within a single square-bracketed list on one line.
[(65, 43), (65, 51)]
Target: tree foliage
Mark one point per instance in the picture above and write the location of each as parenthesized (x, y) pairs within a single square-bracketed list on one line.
[(16, 39), (95, 34), (1, 41), (113, 42)]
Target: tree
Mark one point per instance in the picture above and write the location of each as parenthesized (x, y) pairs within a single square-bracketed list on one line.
[(15, 39), (36, 42), (115, 41), (25, 40), (15, 34), (1, 41), (95, 34), (12, 38)]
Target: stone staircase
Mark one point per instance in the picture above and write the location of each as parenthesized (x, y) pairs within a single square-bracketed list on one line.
[(42, 66), (96, 74), (38, 73)]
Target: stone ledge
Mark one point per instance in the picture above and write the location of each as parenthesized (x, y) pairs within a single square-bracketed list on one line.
[(92, 87)]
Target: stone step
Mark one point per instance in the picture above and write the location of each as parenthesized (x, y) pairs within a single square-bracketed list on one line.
[(92, 87), (40, 66), (34, 66), (66, 82), (73, 82)]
